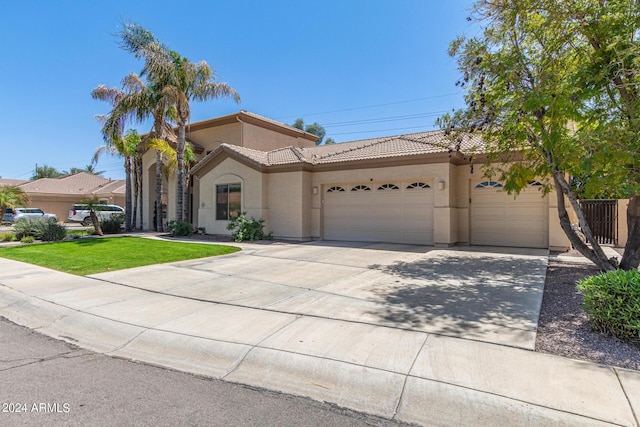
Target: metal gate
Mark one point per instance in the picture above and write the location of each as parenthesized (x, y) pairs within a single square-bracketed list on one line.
[(602, 217)]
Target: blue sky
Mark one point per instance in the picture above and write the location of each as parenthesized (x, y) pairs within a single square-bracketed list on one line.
[(361, 68)]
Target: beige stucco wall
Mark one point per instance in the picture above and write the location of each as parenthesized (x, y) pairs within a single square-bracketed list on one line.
[(558, 240), (289, 205), (239, 133), (211, 138), (263, 139), (229, 171), (623, 230)]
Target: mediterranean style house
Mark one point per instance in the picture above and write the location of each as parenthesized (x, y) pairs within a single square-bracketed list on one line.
[(58, 195), (413, 188)]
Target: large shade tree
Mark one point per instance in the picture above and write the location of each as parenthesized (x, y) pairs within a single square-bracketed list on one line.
[(548, 84)]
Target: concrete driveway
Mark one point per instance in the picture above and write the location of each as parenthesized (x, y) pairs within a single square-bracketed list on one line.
[(491, 296), (371, 327)]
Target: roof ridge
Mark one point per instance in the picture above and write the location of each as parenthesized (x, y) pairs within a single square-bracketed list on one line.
[(358, 147)]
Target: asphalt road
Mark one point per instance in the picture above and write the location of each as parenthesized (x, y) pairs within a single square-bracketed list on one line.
[(48, 382)]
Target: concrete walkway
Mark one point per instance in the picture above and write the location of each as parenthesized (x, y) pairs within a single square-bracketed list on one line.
[(422, 335)]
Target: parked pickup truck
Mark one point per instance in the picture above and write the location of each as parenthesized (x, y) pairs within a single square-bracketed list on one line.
[(17, 214)]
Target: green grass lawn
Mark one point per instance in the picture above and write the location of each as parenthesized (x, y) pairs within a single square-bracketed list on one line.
[(89, 256)]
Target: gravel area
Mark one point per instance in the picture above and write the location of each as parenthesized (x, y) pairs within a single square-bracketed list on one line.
[(564, 329)]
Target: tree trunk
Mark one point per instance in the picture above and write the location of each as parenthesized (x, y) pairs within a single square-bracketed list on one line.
[(134, 211), (127, 194), (631, 256), (593, 253), (96, 222), (159, 226), (185, 197), (140, 189), (180, 188)]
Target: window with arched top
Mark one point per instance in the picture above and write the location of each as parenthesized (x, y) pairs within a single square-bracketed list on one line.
[(360, 188), (388, 187), (535, 183), (489, 184), (415, 185), (335, 189)]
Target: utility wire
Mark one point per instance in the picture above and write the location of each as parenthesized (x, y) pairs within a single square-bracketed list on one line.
[(385, 119), (384, 130), (369, 106)]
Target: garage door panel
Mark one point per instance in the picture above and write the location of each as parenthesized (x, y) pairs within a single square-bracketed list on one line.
[(500, 219), (392, 215)]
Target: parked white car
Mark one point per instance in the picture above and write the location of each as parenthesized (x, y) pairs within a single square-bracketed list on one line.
[(81, 213), (17, 214)]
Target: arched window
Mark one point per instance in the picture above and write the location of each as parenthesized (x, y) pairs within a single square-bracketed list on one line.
[(360, 188), (418, 185), (489, 184), (388, 187), (335, 189), (535, 183)]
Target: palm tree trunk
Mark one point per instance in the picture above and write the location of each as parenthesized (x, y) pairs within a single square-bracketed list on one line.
[(180, 187), (127, 194), (159, 226), (139, 187), (134, 211), (185, 198)]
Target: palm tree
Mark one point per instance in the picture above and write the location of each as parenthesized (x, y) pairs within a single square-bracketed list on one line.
[(191, 82), (11, 197), (91, 205), (114, 142), (151, 98)]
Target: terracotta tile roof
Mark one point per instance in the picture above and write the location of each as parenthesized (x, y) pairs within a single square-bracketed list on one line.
[(376, 148), (115, 186), (12, 182), (80, 183), (392, 146)]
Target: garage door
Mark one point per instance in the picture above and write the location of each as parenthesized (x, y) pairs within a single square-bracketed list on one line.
[(500, 219), (386, 212)]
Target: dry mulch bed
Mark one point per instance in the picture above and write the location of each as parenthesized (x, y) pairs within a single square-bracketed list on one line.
[(564, 329)]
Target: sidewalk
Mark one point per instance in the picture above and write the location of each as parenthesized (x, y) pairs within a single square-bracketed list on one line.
[(409, 376)]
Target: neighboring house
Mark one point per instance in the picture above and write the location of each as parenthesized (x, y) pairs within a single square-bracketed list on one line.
[(58, 195), (403, 189)]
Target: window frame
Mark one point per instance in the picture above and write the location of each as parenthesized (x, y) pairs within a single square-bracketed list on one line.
[(227, 212)]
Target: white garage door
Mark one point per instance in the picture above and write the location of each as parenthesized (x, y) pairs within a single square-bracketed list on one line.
[(500, 219), (387, 212)]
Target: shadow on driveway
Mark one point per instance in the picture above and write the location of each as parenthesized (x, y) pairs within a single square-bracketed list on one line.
[(464, 293)]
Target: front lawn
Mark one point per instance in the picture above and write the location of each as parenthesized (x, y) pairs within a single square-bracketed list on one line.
[(89, 256)]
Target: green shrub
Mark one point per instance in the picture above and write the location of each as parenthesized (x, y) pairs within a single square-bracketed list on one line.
[(113, 224), (180, 228), (28, 239), (48, 231), (53, 232), (247, 229), (612, 302), (29, 227), (7, 237)]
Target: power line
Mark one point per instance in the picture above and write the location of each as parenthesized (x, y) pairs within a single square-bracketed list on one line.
[(369, 106), (382, 130), (385, 119)]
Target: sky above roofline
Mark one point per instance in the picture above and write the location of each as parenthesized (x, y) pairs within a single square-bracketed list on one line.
[(361, 69)]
